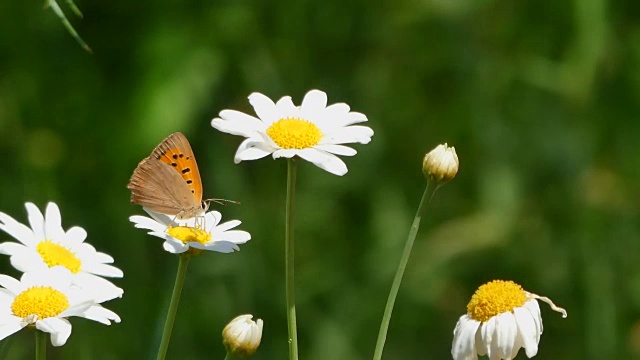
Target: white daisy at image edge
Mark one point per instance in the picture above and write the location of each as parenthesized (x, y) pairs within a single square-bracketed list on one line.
[(45, 244), (501, 318), (45, 299), (313, 131), (203, 232)]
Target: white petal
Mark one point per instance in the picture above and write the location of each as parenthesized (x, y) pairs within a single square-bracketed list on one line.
[(286, 153), (10, 325), (6, 299), (252, 149), (36, 220), (102, 258), (337, 116), (534, 309), (228, 225), (11, 284), (506, 331), (286, 108), (517, 345), (335, 112), (175, 247), (212, 219), (83, 251), (253, 141), (481, 348), (28, 261), (264, 107), (161, 234), (349, 134), (57, 277), (487, 331), (143, 222), (313, 105), (237, 123), (235, 236), (79, 306), (354, 118), (162, 219), (12, 248), (527, 331), (100, 289), (53, 223), (60, 329), (76, 235), (463, 346), (324, 160), (337, 149), (102, 270), (17, 230), (101, 315), (218, 246)]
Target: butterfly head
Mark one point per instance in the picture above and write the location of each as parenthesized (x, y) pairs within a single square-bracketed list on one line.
[(196, 211), (204, 205)]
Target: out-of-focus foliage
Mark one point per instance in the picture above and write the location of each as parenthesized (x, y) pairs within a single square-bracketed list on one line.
[(540, 99)]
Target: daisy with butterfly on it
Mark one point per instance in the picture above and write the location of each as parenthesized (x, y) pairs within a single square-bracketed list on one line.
[(312, 131), (167, 184)]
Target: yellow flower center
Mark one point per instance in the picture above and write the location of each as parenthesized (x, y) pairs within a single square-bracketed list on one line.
[(188, 234), (294, 133), (55, 254), (495, 297), (42, 301)]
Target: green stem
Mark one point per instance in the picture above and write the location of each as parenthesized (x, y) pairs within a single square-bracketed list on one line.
[(382, 335), (229, 356), (289, 243), (41, 345), (173, 306)]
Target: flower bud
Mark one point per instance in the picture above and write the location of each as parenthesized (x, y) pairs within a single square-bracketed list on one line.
[(242, 336), (441, 164)]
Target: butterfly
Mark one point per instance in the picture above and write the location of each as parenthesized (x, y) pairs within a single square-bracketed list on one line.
[(168, 181)]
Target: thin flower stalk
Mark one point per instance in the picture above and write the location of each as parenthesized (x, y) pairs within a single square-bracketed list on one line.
[(439, 166), (289, 260), (173, 306), (41, 345), (429, 191)]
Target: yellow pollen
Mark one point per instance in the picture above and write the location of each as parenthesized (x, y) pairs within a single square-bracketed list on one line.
[(189, 234), (495, 297), (54, 254), (42, 301), (294, 133)]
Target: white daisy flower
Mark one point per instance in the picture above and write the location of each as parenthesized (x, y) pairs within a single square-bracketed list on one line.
[(45, 299), (501, 318), (203, 232), (46, 245), (312, 131)]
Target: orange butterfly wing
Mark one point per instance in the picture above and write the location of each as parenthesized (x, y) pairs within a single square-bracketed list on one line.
[(176, 152)]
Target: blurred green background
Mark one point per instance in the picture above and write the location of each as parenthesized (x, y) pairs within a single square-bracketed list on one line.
[(540, 99)]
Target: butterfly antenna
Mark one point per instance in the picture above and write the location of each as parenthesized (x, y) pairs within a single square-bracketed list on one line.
[(223, 202)]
